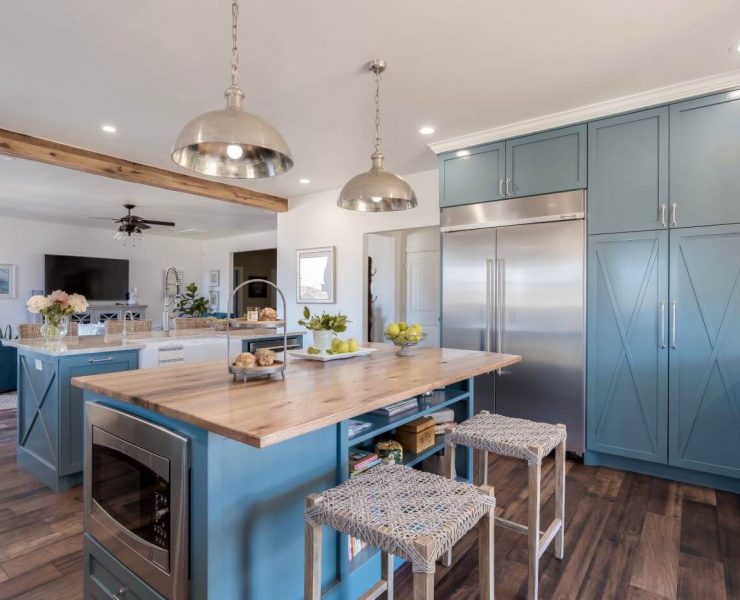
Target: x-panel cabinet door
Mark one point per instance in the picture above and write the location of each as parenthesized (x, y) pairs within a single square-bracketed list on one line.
[(704, 404)]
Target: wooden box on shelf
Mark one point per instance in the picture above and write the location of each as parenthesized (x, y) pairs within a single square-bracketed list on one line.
[(418, 435)]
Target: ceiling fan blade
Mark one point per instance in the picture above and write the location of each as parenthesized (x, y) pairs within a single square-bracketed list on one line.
[(101, 218), (141, 225), (164, 223)]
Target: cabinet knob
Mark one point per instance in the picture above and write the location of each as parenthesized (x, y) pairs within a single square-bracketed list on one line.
[(121, 594)]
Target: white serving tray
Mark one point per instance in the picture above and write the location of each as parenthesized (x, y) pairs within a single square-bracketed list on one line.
[(324, 357)]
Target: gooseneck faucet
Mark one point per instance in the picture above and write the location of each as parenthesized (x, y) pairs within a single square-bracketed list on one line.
[(169, 301), (124, 333)]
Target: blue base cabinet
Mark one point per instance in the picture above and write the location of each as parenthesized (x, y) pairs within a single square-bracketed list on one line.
[(627, 345), (704, 405), (51, 411), (628, 172)]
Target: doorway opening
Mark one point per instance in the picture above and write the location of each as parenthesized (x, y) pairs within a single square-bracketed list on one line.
[(254, 264), (403, 281)]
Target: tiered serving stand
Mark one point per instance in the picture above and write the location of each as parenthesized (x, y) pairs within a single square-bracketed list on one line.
[(256, 371)]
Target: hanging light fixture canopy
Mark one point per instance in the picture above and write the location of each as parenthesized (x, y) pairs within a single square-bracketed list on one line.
[(231, 142), (377, 190)]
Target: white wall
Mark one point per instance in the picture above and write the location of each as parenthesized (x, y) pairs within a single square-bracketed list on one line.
[(217, 256), (315, 220), (24, 243), (382, 247)]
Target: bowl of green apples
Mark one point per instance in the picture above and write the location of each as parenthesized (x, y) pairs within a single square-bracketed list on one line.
[(405, 336)]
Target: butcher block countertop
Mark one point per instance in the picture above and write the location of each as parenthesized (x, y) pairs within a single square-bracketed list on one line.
[(313, 395)]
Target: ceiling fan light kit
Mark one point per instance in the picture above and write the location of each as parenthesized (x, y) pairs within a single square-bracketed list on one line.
[(130, 226), (377, 190), (231, 142)]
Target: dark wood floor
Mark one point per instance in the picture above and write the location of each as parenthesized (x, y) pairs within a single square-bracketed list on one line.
[(628, 537)]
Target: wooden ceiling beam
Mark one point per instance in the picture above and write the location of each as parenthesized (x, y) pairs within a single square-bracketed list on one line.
[(33, 148)]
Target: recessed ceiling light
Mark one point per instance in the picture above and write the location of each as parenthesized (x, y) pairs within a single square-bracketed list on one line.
[(109, 128), (304, 181), (426, 130), (461, 153)]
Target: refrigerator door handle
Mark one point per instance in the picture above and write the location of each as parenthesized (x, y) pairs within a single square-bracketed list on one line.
[(489, 293), (661, 316), (500, 282), (673, 325)]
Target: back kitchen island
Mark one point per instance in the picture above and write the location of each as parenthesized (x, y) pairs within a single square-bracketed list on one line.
[(195, 485)]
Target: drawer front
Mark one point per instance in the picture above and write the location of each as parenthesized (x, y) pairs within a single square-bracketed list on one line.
[(105, 578), (276, 344)]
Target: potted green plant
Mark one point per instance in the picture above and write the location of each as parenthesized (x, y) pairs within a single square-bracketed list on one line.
[(8, 362), (324, 327), (192, 304)]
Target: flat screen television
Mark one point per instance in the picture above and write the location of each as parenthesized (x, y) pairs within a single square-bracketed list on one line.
[(94, 278)]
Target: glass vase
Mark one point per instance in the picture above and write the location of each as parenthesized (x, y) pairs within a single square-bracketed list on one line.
[(54, 328)]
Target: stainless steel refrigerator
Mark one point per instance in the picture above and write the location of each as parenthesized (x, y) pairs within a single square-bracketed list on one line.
[(513, 281)]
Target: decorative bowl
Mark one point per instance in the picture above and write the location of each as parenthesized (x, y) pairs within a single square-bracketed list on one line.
[(406, 347)]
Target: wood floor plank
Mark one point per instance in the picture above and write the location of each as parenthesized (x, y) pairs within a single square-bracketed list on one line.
[(698, 494), (606, 575), (655, 566), (28, 561), (3, 575), (700, 579), (699, 530), (15, 586), (728, 518), (66, 587)]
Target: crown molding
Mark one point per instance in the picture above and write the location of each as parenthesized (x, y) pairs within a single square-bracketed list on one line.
[(607, 108)]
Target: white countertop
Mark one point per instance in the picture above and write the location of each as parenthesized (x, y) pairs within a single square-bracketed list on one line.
[(90, 344)]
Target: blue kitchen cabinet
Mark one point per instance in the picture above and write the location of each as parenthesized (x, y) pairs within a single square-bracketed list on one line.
[(627, 345), (704, 413), (542, 163), (470, 176), (705, 154), (628, 172), (51, 411)]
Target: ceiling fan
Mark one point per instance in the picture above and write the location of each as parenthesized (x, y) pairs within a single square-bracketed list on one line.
[(131, 226)]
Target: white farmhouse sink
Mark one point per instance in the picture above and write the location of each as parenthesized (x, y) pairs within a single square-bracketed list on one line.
[(173, 351)]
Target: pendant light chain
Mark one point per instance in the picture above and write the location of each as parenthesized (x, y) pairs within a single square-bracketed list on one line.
[(377, 111), (234, 44)]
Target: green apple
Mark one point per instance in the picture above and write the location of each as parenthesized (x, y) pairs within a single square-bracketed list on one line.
[(411, 335), (417, 327), (312, 350), (392, 330), (402, 326), (342, 348), (353, 345)]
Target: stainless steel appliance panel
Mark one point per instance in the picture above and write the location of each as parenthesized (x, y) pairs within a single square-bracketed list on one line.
[(540, 314), (136, 487), (563, 206), (468, 271)]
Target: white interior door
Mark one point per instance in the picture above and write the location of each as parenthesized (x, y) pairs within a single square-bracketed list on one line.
[(422, 292)]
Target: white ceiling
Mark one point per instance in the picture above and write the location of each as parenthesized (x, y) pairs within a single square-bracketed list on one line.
[(43, 192), (148, 67)]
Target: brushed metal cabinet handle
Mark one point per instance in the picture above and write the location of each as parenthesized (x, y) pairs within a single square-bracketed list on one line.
[(501, 187), (673, 324), (508, 186), (674, 210), (661, 316), (662, 218), (94, 361), (121, 593)]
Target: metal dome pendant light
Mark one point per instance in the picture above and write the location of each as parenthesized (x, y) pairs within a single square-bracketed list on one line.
[(231, 142), (377, 190)]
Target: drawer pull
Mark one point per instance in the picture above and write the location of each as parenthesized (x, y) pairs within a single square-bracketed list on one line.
[(95, 361), (120, 595)]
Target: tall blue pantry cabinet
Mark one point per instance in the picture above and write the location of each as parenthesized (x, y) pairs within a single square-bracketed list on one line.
[(663, 392)]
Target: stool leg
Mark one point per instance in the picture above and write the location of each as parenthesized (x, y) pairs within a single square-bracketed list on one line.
[(312, 557), (449, 472), (386, 573), (424, 582), (533, 529), (485, 549), (560, 497), (480, 460)]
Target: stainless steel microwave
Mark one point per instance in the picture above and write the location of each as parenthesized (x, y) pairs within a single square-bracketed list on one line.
[(137, 496)]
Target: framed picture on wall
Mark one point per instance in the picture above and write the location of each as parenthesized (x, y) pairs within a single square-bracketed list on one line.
[(214, 278), (315, 277), (257, 289), (214, 299), (7, 281)]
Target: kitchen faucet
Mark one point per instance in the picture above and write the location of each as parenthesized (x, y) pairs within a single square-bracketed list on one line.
[(169, 301), (124, 334)]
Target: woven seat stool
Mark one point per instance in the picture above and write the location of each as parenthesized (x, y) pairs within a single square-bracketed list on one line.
[(403, 512), (530, 441)]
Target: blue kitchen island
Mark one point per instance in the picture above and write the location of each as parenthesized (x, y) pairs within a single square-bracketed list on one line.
[(256, 450)]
